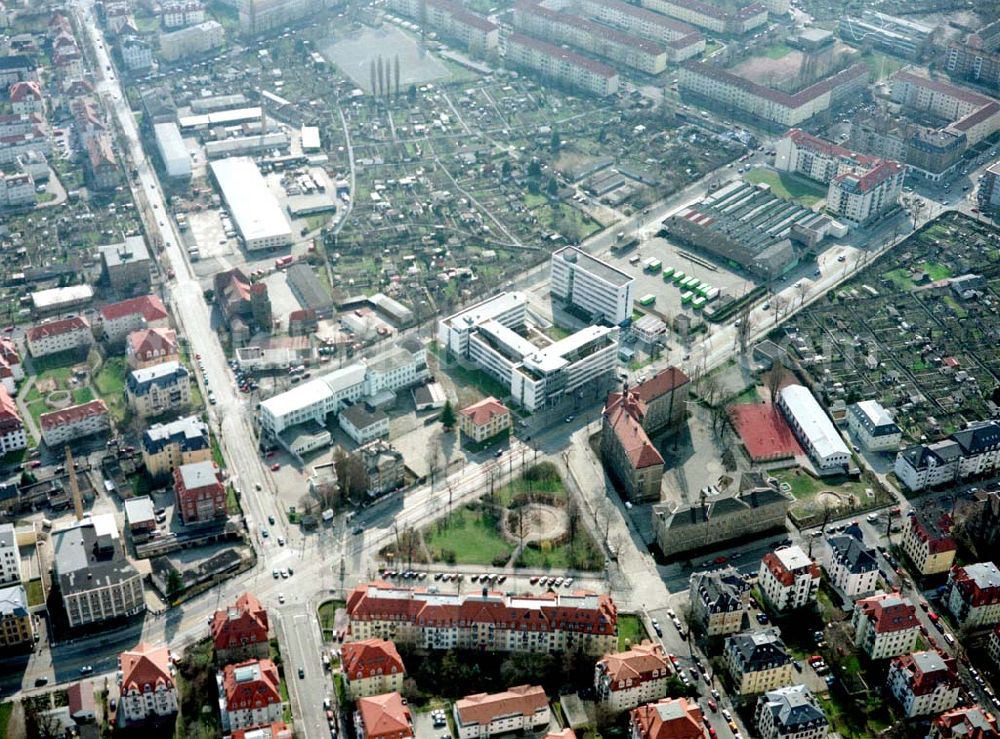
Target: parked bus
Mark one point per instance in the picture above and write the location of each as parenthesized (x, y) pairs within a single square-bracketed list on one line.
[(668, 272), (686, 297), (698, 303), (711, 295), (703, 289), (647, 300), (652, 264), (694, 284), (283, 261), (679, 275)]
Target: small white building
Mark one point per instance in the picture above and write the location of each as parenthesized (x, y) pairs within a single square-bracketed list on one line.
[(814, 429), (363, 423), (872, 425), (10, 556), (521, 708), (788, 578)]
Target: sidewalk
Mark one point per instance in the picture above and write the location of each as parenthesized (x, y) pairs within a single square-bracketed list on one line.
[(26, 416)]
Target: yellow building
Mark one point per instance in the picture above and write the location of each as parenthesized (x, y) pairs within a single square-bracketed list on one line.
[(758, 662), (372, 667), (484, 420), (15, 618), (169, 445)]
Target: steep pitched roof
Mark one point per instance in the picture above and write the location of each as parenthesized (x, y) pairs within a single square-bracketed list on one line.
[(484, 411), (385, 714), (370, 658), (888, 612), (145, 665), (246, 619), (250, 684), (483, 708), (149, 306), (637, 663), (669, 718), (661, 383), (623, 415)]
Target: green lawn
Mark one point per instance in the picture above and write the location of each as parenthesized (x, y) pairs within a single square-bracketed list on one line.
[(471, 535), (631, 630), (580, 554), (788, 186), (35, 597), (541, 478), (882, 65), (805, 486), (533, 201), (327, 611), (110, 383), (778, 51), (900, 279), (474, 379), (5, 710), (750, 395), (936, 271), (82, 395)]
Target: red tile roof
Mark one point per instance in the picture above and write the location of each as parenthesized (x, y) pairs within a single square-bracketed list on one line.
[(243, 623), (72, 414), (484, 411), (642, 662), (145, 665), (57, 328), (959, 93), (150, 306), (258, 688), (80, 697), (149, 343), (984, 591), (875, 176), (661, 383), (481, 709), (924, 681), (29, 90), (977, 117), (668, 719), (385, 716), (784, 99), (805, 140), (371, 658), (10, 416), (966, 723), (623, 416), (934, 534), (277, 730), (889, 612)]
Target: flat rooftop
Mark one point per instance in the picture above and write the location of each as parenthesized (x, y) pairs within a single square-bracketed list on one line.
[(255, 209), (594, 266)]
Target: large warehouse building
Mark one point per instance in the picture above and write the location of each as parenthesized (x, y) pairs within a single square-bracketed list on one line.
[(256, 211), (173, 153)]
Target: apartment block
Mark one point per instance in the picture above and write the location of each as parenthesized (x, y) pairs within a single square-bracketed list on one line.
[(520, 708), (249, 694), (624, 680), (885, 625), (718, 600), (873, 425), (710, 16), (591, 285), (60, 335), (10, 556), (788, 579), (118, 320), (201, 496), (383, 717), (454, 20), (757, 662), (239, 632), (972, 451), (151, 346), (670, 718), (155, 390), (899, 36), (865, 197), (578, 622), (146, 684), (790, 712), (977, 65), (975, 115), (970, 722), (924, 683), (16, 626), (75, 422), (682, 40), (850, 563), (928, 543), (371, 667), (972, 595), (12, 433), (166, 446), (191, 41), (561, 65), (180, 13)]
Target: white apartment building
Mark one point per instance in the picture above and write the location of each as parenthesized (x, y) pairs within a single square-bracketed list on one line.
[(17, 189), (624, 680), (885, 625), (850, 564), (146, 684), (179, 13), (452, 19), (973, 595), (711, 16), (591, 284), (973, 451), (59, 336), (814, 429), (191, 41), (815, 158), (12, 433), (788, 579), (682, 41), (864, 197), (249, 694), (521, 708), (790, 712), (872, 425), (10, 556), (928, 544), (312, 401), (136, 53), (937, 97), (924, 683), (563, 66), (75, 422), (157, 389)]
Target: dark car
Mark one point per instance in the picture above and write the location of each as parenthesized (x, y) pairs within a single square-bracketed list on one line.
[(40, 681), (302, 673)]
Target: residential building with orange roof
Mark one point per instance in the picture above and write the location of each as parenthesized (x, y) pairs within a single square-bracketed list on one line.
[(484, 420), (627, 452), (75, 422), (885, 625), (11, 369), (27, 97), (12, 434), (788, 578), (371, 667), (146, 684), (924, 683), (973, 595), (521, 708), (383, 717), (59, 336), (277, 730), (239, 631), (579, 621), (249, 695), (928, 543), (624, 680), (149, 346), (118, 320), (670, 718), (970, 722)]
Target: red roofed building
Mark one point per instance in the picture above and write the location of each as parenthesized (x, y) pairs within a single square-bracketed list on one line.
[(924, 683), (565, 622), (103, 170), (885, 625), (624, 680), (928, 544), (11, 369), (973, 595), (243, 304), (277, 730), (863, 197), (249, 695), (27, 97), (788, 578), (521, 708), (201, 496), (150, 346), (383, 717), (671, 718), (146, 683), (75, 422), (484, 420), (965, 723), (239, 632), (371, 667), (12, 436), (59, 336), (80, 699), (118, 320)]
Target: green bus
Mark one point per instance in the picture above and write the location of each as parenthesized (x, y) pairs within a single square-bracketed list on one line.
[(698, 303), (678, 276), (694, 284), (703, 289), (647, 300), (668, 272), (687, 297)]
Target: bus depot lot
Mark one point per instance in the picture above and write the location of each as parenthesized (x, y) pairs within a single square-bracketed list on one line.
[(668, 295)]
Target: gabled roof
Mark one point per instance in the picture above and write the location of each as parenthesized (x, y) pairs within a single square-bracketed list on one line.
[(149, 306), (669, 718), (152, 342), (371, 658), (661, 383), (484, 411), (57, 328), (482, 708), (253, 683), (888, 612), (385, 714), (145, 665), (234, 625), (80, 696), (638, 663), (623, 416), (73, 414)]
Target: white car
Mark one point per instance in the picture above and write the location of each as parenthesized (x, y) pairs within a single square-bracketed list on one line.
[(281, 597)]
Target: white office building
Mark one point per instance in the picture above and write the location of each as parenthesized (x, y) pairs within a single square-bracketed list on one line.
[(312, 401), (814, 429), (10, 557), (508, 309), (173, 152), (256, 211), (872, 425), (592, 285)]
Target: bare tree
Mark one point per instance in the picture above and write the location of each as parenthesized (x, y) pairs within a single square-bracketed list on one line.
[(775, 376), (395, 72), (743, 325), (381, 76), (371, 72)]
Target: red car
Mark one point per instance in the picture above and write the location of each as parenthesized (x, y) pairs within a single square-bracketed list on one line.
[(933, 616), (275, 467), (197, 356), (713, 705), (720, 560), (814, 659)]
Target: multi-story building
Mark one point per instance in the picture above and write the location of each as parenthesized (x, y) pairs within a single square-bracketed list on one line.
[(454, 20), (975, 115), (11, 369), (924, 683), (383, 717), (200, 38), (125, 267), (398, 368), (520, 708), (973, 595), (179, 13), (75, 422), (484, 420), (964, 61), (899, 36), (628, 453), (16, 625), (757, 661), (97, 583), (682, 41), (249, 694), (989, 187), (592, 285), (885, 625), (564, 26), (790, 712), (60, 335), (118, 320), (136, 52), (17, 189), (154, 390), (864, 197), (711, 16), (166, 446), (146, 683), (561, 65), (311, 402), (993, 645), (814, 429), (971, 722), (624, 680), (718, 599), (363, 422), (670, 718), (150, 346), (101, 163), (788, 579), (26, 97), (577, 622), (850, 563), (201, 496), (10, 555), (12, 434), (239, 631), (371, 667), (928, 543), (385, 467), (873, 426), (734, 94), (970, 452)]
